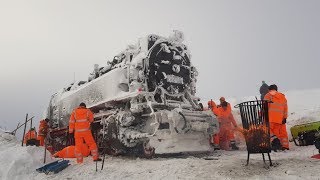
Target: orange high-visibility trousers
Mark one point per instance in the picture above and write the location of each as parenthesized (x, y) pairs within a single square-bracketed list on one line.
[(215, 139), (69, 152), (87, 137), (280, 131), (226, 136)]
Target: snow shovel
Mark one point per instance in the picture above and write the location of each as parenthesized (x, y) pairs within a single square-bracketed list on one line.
[(45, 167), (57, 167)]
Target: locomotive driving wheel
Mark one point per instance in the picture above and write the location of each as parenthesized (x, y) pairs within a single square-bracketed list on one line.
[(110, 143)]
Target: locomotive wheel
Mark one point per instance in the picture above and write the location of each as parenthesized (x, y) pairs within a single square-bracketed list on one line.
[(111, 145), (113, 149)]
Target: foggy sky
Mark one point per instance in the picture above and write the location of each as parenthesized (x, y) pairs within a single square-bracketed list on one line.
[(234, 45)]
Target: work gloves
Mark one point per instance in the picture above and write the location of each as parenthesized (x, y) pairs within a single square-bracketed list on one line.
[(284, 120), (71, 135)]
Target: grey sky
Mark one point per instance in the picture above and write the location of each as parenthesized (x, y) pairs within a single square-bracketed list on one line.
[(234, 44)]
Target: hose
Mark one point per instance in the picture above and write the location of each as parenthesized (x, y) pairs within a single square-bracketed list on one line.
[(185, 123)]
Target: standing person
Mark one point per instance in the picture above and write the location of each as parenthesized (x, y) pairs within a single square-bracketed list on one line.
[(264, 89), (226, 123), (43, 130), (210, 105), (215, 138), (278, 113), (79, 125), (222, 100)]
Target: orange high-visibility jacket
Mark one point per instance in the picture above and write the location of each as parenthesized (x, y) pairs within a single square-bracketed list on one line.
[(69, 152), (278, 108), (211, 105), (43, 128), (80, 120), (228, 108), (214, 106), (225, 117), (31, 134)]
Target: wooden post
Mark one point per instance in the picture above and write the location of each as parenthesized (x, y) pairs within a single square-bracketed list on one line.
[(30, 123), (24, 131), (30, 128), (45, 149)]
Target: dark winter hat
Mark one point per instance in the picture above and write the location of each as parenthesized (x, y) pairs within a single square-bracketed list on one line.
[(46, 119), (83, 104), (273, 87)]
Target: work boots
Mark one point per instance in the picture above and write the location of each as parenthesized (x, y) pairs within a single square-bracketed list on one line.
[(99, 159), (216, 147), (276, 145), (234, 146)]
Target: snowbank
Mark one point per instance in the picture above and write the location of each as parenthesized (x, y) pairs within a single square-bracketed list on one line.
[(18, 162)]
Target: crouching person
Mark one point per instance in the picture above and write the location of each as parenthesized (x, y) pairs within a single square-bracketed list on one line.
[(30, 138), (70, 152)]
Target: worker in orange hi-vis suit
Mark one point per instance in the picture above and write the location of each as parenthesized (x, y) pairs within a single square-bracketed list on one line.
[(222, 99), (227, 124), (31, 134), (43, 130), (79, 124), (278, 113), (215, 139), (70, 152)]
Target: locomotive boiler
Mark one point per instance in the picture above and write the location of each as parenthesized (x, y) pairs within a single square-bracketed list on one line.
[(143, 101)]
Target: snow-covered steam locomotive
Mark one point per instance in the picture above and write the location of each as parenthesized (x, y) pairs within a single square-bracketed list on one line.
[(143, 101)]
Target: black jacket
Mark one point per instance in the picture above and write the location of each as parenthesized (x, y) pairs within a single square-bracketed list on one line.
[(264, 89)]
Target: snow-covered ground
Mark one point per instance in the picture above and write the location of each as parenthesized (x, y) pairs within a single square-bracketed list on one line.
[(304, 106)]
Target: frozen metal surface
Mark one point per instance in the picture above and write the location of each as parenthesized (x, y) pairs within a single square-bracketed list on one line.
[(147, 94)]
